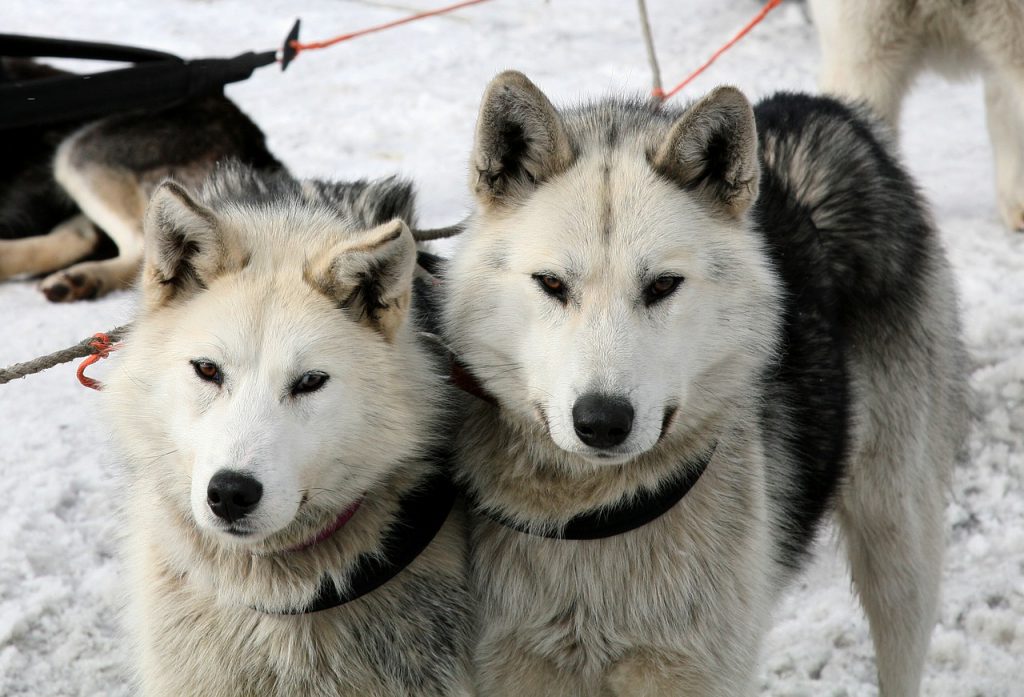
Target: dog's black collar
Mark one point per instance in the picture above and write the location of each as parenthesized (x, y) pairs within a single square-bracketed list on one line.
[(421, 515), (630, 514)]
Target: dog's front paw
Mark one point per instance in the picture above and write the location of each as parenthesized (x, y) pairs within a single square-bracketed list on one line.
[(68, 286)]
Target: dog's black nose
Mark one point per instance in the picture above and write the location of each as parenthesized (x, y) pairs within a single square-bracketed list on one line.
[(602, 421), (233, 495)]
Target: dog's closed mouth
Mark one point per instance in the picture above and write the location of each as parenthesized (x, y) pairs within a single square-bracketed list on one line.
[(337, 524)]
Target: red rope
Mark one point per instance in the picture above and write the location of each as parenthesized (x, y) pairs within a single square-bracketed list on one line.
[(300, 47), (102, 346), (768, 7)]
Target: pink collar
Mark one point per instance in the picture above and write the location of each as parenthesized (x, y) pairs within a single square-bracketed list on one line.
[(338, 524)]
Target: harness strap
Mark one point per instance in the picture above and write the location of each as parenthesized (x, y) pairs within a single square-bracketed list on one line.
[(629, 514), (157, 80), (151, 85), (20, 46)]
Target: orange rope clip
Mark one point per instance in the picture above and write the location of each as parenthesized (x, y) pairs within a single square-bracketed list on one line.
[(102, 346)]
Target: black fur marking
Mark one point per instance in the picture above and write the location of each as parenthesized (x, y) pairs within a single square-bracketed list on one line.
[(719, 155), (207, 129), (362, 204), (180, 250), (368, 294), (850, 268), (513, 136), (611, 135), (607, 213)]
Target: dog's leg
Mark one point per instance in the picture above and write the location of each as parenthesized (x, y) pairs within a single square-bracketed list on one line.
[(114, 200), (64, 245), (506, 669), (1004, 112), (644, 673), (91, 279), (891, 518), (865, 54)]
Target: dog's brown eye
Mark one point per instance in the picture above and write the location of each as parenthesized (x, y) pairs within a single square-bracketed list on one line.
[(552, 285), (309, 382), (208, 371), (660, 288)]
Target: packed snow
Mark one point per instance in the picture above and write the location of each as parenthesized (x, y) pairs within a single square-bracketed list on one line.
[(405, 101)]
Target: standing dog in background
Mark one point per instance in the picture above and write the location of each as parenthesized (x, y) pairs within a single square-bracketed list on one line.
[(702, 329), (63, 186), (873, 49)]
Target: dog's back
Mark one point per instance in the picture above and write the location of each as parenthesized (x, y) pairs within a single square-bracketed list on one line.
[(861, 259), (867, 288)]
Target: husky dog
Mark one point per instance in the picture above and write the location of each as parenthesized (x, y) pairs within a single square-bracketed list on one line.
[(873, 50), (284, 432), (701, 329), (63, 186)]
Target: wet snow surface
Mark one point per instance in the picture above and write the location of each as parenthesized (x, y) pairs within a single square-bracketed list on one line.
[(405, 101)]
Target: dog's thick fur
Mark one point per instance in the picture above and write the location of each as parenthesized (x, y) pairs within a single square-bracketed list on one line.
[(267, 279), (72, 195), (873, 49), (814, 337)]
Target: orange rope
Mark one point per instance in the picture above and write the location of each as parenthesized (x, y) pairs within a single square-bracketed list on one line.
[(300, 47), (769, 6), (102, 345)]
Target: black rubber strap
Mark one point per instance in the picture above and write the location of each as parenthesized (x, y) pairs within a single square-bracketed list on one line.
[(632, 513), (150, 85), (20, 46), (420, 517)]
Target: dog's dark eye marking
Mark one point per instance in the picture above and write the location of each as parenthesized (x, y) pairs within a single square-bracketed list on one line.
[(208, 371), (309, 382), (552, 285), (660, 288)]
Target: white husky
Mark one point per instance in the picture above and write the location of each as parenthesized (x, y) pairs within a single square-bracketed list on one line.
[(279, 419), (873, 49), (703, 329)]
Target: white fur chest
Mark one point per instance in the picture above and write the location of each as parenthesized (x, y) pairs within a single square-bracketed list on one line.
[(694, 575)]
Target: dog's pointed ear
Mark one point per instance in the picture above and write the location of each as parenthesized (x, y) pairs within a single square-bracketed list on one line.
[(520, 140), (184, 246), (712, 149), (370, 276)]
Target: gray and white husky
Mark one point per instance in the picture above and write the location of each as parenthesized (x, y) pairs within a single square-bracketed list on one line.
[(288, 529), (702, 329), (874, 49)]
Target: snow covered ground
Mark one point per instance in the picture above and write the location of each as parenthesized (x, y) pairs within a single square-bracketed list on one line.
[(405, 101)]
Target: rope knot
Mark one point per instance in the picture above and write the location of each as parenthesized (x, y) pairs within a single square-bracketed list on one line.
[(101, 345)]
